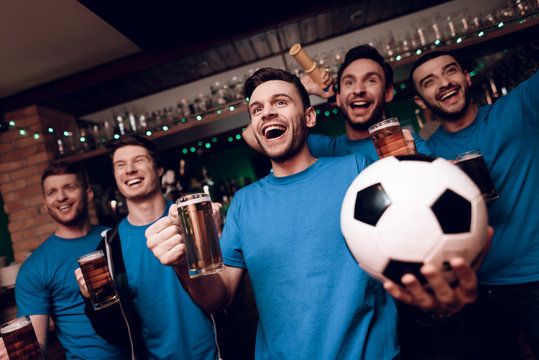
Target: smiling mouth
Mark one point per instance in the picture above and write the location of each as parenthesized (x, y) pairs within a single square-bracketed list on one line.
[(448, 94), (360, 104), (64, 207), (274, 131), (133, 181)]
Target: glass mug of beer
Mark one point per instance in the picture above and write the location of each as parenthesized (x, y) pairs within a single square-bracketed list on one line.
[(20, 339), (98, 279), (388, 138), (473, 164), (199, 234)]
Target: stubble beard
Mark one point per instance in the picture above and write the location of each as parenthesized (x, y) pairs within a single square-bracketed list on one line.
[(451, 116), (79, 218), (376, 117)]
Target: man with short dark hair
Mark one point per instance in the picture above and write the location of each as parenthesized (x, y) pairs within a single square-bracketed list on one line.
[(160, 319), (45, 286), (364, 86), (313, 299), (507, 134)]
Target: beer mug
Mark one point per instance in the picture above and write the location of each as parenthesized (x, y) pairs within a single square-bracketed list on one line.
[(20, 339), (388, 138), (473, 164), (200, 234), (98, 279)]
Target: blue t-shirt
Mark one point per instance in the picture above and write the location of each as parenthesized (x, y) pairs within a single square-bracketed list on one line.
[(173, 327), (314, 301), (507, 134), (332, 146), (46, 285)]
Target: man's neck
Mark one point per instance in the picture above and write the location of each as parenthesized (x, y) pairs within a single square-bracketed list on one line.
[(354, 134), (451, 125), (301, 161), (73, 231), (145, 211)]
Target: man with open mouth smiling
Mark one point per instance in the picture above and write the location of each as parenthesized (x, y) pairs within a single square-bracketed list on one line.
[(365, 85), (155, 314), (45, 286), (314, 302), (507, 134)]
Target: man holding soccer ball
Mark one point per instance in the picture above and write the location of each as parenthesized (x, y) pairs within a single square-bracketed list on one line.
[(313, 299)]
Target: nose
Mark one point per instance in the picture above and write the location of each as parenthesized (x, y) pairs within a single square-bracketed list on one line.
[(61, 195), (130, 167), (444, 82), (359, 88), (268, 112)]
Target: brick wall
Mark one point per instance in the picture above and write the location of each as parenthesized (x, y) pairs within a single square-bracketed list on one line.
[(23, 158)]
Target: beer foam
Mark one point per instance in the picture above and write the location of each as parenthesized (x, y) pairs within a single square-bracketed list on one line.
[(384, 124), (15, 325), (469, 157), (193, 199), (91, 256)]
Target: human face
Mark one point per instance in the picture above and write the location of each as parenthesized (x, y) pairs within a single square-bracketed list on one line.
[(278, 119), (443, 87), (65, 199), (135, 172), (363, 93)]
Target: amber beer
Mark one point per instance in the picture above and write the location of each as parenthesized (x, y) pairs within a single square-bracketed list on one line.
[(20, 339), (200, 234), (98, 280), (388, 138), (473, 164)]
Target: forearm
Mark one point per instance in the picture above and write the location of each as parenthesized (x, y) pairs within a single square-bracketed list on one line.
[(209, 292)]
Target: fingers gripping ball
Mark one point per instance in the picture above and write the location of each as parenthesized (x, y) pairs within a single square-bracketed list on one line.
[(404, 211)]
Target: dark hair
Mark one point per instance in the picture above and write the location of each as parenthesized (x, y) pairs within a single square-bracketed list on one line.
[(64, 168), (365, 52), (138, 141), (267, 74), (423, 59)]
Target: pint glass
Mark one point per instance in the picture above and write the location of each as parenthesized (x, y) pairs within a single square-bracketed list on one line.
[(98, 280), (200, 234), (388, 138), (20, 339), (473, 164)]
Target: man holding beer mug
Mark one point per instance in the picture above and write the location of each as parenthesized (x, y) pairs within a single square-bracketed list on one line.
[(45, 287), (153, 303), (365, 85), (313, 300), (507, 135)]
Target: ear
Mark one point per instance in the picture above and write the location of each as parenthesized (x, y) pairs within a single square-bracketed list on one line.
[(90, 194), (419, 101), (160, 171), (310, 117), (389, 93), (338, 98), (468, 78)]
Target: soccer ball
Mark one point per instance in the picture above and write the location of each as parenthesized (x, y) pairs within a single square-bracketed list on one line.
[(402, 212)]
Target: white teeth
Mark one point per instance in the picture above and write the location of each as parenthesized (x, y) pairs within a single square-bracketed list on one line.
[(64, 207), (360, 103), (133, 181), (451, 93), (274, 127)]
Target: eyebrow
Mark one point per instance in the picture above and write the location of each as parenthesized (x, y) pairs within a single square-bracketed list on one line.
[(370, 73), (443, 69), (274, 96)]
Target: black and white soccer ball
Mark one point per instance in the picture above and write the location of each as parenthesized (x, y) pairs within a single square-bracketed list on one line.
[(402, 212)]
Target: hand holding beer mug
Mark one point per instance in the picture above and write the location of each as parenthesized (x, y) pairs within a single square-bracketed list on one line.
[(200, 234), (20, 339), (473, 164), (389, 139), (98, 279)]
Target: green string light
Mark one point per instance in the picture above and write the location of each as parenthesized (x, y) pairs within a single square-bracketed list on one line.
[(418, 51), (199, 117), (12, 123), (231, 108), (148, 133), (36, 136), (82, 139), (185, 151), (22, 132), (238, 136), (66, 133), (398, 57), (165, 128), (481, 33), (51, 130), (116, 136), (437, 42), (207, 145), (459, 40), (500, 24), (214, 139), (193, 149)]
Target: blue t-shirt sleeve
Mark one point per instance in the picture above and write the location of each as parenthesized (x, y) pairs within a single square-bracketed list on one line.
[(527, 95), (422, 146), (319, 145), (31, 294), (230, 239)]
